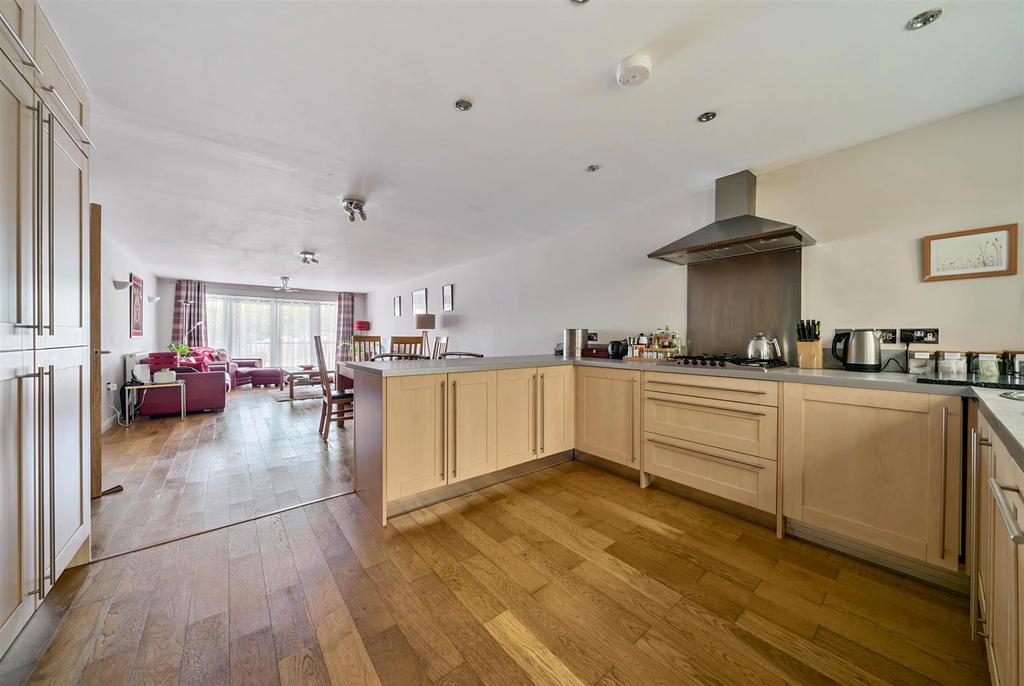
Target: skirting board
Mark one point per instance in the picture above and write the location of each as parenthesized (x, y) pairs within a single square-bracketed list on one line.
[(415, 502), (862, 551)]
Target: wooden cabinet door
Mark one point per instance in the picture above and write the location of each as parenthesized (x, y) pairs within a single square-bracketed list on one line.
[(17, 130), (20, 16), (1003, 624), (18, 512), (414, 429), (64, 241), (60, 74), (517, 416), (869, 464), (65, 441), (608, 414), (473, 417), (738, 427), (555, 409)]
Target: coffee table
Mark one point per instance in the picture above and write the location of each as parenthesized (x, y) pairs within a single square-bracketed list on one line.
[(297, 376)]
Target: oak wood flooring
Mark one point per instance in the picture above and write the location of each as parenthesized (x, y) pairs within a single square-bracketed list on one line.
[(570, 575), (180, 478)]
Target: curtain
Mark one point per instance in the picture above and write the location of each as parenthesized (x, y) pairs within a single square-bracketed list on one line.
[(346, 316), (189, 325)]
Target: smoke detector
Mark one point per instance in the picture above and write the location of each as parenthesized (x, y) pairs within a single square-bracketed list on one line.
[(308, 257), (354, 207), (633, 70)]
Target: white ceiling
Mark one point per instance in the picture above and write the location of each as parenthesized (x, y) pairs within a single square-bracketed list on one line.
[(227, 132)]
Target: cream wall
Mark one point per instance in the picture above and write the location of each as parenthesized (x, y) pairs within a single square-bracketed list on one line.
[(117, 263), (868, 206)]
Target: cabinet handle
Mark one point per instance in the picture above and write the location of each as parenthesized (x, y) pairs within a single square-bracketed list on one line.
[(942, 483), (632, 420), (38, 223), (1016, 535), (455, 433), (50, 220), (540, 413), (536, 433), (26, 56), (699, 452), (53, 484), (706, 388), (708, 407), (444, 434), (41, 485), (974, 535), (52, 90)]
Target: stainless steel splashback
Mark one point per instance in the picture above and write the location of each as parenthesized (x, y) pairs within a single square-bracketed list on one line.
[(728, 301)]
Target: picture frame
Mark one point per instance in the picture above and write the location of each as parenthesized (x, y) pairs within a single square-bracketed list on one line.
[(419, 301), (397, 304), (971, 254), (447, 297), (135, 306)]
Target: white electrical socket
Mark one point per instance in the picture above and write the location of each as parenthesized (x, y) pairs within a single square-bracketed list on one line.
[(111, 386)]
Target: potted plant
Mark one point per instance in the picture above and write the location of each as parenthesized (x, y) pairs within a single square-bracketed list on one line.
[(180, 348)]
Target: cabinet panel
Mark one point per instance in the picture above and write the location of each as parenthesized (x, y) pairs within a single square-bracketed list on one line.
[(414, 434), (740, 427), (60, 74), (556, 416), (717, 387), (734, 476), (869, 465), (517, 416), (608, 413), (20, 16), (472, 409), (1003, 624)]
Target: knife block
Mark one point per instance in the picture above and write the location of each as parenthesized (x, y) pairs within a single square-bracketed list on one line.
[(809, 354)]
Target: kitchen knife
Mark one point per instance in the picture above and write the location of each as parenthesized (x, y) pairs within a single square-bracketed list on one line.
[(801, 331)]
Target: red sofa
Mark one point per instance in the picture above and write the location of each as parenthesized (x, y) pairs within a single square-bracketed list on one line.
[(204, 391)]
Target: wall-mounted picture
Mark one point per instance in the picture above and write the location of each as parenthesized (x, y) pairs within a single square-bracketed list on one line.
[(419, 301), (398, 306), (970, 254), (135, 305), (448, 297)]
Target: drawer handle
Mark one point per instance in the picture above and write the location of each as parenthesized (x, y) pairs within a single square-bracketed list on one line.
[(706, 388), (699, 452), (26, 56), (712, 407), (1016, 535), (82, 135)]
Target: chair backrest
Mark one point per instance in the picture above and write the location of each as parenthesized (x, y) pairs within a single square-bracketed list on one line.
[(365, 347), (407, 344), (448, 356), (440, 347), (325, 377)]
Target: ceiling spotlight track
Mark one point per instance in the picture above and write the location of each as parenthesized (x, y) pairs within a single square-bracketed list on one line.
[(354, 207), (308, 257)]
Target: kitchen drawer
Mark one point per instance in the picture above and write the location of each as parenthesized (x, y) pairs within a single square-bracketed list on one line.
[(737, 427), (715, 387), (733, 476)]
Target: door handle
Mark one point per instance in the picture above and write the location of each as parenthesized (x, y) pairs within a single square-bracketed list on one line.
[(533, 392), (942, 483), (974, 535), (1016, 535), (83, 136), (41, 484), (51, 204), (38, 219), (455, 433), (540, 413), (53, 484), (26, 56), (97, 351), (444, 434)]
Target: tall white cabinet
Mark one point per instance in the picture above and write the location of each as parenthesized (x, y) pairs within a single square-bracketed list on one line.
[(44, 310)]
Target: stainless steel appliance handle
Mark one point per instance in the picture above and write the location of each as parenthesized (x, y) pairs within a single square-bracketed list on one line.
[(706, 388), (974, 534), (700, 452), (540, 413), (26, 56), (41, 487), (942, 483), (53, 483), (710, 407), (52, 90), (455, 432), (1016, 535), (50, 220), (444, 435)]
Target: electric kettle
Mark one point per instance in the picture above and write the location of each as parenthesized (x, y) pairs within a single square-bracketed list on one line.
[(761, 347), (861, 350)]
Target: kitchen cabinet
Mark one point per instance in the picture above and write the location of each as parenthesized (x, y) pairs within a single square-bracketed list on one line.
[(472, 447), (415, 441), (555, 392), (880, 467), (608, 421), (517, 416), (60, 84), (17, 35)]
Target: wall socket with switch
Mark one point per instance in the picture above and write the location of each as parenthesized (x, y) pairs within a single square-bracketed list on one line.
[(111, 386), (929, 336)]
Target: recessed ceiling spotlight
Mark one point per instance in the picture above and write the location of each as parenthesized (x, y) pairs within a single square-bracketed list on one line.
[(463, 105), (706, 117), (591, 168), (922, 20)]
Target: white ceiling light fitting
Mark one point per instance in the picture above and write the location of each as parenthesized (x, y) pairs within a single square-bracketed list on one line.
[(919, 21), (353, 207), (308, 257), (463, 105), (591, 168), (706, 117), (284, 287), (633, 70)]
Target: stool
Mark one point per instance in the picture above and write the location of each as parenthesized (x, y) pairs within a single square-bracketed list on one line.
[(268, 376)]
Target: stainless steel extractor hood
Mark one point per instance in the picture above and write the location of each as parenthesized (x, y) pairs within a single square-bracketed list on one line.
[(736, 229)]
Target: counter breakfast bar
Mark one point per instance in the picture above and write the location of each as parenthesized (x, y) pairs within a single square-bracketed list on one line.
[(870, 464)]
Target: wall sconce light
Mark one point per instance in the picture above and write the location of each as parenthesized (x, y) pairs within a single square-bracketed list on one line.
[(153, 299), (121, 285)]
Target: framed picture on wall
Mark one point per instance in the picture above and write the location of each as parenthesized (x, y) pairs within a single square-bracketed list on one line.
[(135, 306), (447, 297), (971, 254), (398, 305), (419, 301)]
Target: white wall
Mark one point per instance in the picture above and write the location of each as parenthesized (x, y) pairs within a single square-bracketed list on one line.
[(117, 263), (868, 206)]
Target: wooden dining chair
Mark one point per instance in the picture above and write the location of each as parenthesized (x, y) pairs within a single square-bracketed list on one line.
[(440, 347), (411, 345), (365, 347), (456, 355), (337, 404)]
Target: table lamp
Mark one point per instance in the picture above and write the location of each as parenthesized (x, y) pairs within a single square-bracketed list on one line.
[(361, 325), (425, 322)]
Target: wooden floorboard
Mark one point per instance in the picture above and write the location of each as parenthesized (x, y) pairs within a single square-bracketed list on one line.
[(566, 576)]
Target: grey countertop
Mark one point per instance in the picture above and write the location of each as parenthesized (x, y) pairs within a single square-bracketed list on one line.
[(1006, 416)]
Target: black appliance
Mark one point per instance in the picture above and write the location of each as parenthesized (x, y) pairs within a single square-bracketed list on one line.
[(617, 350), (723, 361), (1013, 383)]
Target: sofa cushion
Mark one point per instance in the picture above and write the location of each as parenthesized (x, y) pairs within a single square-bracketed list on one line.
[(199, 365)]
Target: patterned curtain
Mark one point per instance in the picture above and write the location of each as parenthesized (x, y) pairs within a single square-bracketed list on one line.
[(346, 316), (189, 313)]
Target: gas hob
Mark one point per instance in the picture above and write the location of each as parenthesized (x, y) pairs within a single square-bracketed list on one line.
[(723, 361)]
